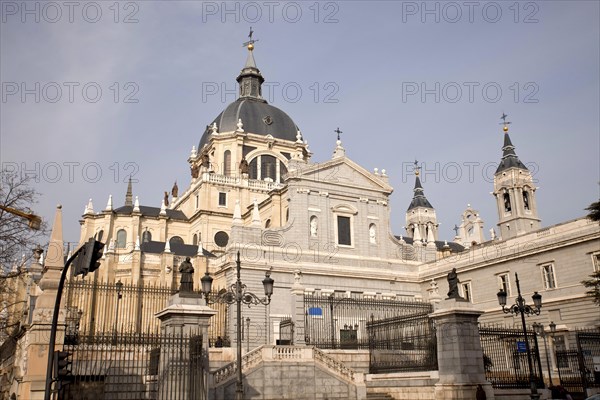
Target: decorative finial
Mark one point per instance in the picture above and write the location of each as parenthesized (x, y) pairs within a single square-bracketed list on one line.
[(250, 43), (338, 133), (504, 122), (455, 229), (417, 168)]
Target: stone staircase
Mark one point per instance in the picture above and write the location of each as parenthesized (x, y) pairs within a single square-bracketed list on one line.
[(302, 372)]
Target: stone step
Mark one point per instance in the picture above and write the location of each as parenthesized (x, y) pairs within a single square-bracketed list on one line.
[(379, 396)]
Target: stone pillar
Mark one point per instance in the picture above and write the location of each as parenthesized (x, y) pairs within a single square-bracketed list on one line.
[(297, 311), (34, 353), (460, 357), (185, 316)]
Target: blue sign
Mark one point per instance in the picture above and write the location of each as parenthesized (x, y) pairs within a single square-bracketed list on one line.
[(521, 347), (315, 311)]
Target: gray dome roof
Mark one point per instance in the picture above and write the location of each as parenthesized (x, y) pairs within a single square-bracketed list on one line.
[(257, 117)]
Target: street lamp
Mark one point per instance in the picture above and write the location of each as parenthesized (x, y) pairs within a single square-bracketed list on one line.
[(119, 286), (539, 330), (238, 294), (520, 307), (247, 334)]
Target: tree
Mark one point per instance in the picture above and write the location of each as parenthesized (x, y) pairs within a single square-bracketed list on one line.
[(594, 211), (593, 284), (17, 240)]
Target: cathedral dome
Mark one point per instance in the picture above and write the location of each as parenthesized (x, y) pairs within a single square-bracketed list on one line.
[(255, 114), (257, 117)]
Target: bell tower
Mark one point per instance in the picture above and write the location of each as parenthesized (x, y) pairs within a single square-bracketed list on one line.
[(515, 192)]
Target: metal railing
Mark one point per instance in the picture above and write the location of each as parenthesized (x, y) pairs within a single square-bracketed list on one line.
[(336, 321), (96, 307), (505, 357), (402, 344)]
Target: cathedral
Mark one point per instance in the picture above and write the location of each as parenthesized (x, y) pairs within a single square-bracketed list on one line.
[(323, 230), (254, 189)]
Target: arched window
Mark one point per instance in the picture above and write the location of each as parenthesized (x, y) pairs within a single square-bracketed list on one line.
[(146, 236), (268, 167), (314, 226), (282, 172), (175, 240), (372, 234), (227, 163), (526, 199), (268, 223), (507, 206), (195, 240), (253, 169), (99, 235), (121, 238)]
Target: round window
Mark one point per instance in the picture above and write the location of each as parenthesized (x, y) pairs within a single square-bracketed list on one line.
[(221, 239)]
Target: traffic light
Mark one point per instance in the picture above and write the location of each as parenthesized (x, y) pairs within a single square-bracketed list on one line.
[(61, 371), (87, 259)]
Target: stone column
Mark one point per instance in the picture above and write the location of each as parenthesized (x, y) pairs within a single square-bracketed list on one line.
[(460, 357), (298, 312), (186, 316)]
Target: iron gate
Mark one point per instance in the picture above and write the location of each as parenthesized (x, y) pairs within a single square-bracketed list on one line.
[(580, 369), (505, 357), (106, 366), (402, 344)]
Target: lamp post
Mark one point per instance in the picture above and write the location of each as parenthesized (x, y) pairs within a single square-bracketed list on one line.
[(238, 294), (539, 330), (520, 307), (247, 334), (119, 286)]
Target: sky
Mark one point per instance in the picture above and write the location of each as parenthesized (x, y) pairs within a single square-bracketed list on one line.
[(93, 92)]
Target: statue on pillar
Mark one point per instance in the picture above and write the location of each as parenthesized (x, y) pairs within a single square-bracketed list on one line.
[(186, 269), (453, 285)]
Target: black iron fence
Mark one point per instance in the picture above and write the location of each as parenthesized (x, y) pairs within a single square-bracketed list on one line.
[(95, 307), (337, 321), (505, 357), (135, 366), (580, 369), (402, 344)]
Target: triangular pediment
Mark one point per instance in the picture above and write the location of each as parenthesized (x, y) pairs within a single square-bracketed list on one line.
[(345, 172)]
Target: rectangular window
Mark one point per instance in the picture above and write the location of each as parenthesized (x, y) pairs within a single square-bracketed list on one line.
[(503, 283), (596, 261), (466, 291), (343, 225), (222, 199), (197, 201), (548, 276)]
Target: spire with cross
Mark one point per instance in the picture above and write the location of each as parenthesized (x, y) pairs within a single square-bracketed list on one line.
[(338, 133), (417, 168), (455, 229), (339, 150), (505, 122), (250, 43)]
